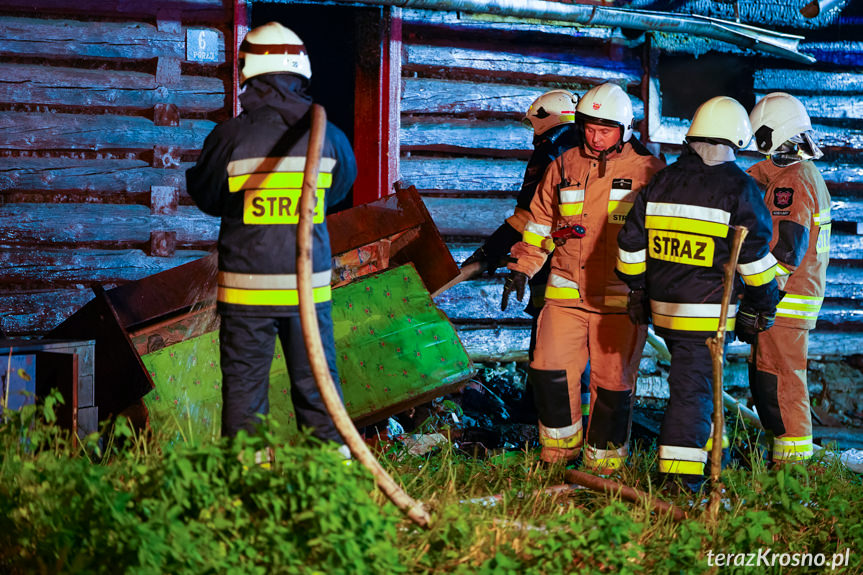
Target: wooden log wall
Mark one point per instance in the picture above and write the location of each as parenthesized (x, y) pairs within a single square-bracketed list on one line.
[(468, 80), (103, 105)]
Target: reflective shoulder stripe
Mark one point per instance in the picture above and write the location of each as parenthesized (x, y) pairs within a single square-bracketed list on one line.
[(270, 281), (688, 211), (687, 218), (275, 164), (269, 297), (759, 272)]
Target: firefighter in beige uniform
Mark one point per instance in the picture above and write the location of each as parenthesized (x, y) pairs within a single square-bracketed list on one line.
[(585, 315), (800, 206)]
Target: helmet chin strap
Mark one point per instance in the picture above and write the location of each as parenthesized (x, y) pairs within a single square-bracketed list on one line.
[(796, 149)]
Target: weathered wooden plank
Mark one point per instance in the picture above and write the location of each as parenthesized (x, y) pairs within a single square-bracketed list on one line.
[(70, 223), (98, 176), (469, 216), (463, 134), (840, 53), (462, 173), (561, 67), (37, 131), (87, 39), (808, 81), (38, 312), (755, 12), (436, 96), (83, 266), (471, 23), (59, 86)]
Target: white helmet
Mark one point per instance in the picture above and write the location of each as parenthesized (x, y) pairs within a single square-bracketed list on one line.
[(721, 118), (609, 105), (273, 48), (551, 109), (777, 118)]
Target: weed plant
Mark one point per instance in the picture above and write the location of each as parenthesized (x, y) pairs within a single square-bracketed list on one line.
[(130, 503)]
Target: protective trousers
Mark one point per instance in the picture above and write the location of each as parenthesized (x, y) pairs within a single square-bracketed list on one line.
[(686, 426), (777, 379), (247, 345), (566, 339)]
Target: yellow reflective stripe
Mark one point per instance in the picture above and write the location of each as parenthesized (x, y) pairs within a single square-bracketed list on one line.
[(798, 306), (278, 206), (269, 297), (631, 269), (274, 181), (725, 443), (595, 458), (681, 467), (571, 209), (691, 323), (792, 448), (552, 292), (822, 218), (564, 117), (532, 239), (568, 437), (782, 270), (759, 279), (686, 225)]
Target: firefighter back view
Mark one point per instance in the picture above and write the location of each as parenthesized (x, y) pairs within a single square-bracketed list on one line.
[(673, 250), (250, 174), (574, 219), (799, 203)]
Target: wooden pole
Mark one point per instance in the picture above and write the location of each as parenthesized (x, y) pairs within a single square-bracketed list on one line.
[(629, 493), (717, 353), (312, 337)]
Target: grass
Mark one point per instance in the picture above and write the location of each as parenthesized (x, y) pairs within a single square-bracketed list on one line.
[(136, 504)]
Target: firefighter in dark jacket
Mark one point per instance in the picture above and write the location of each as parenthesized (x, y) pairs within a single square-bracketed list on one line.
[(552, 118), (575, 215), (250, 174), (799, 202), (673, 249)]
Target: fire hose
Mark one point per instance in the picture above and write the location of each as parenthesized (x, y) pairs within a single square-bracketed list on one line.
[(311, 332)]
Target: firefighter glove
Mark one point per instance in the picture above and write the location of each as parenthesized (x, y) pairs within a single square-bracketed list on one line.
[(514, 281), (493, 253), (751, 322), (638, 307)]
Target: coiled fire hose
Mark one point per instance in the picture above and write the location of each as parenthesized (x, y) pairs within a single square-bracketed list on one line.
[(311, 332)]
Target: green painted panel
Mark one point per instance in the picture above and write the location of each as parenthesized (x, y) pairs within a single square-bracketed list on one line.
[(393, 345)]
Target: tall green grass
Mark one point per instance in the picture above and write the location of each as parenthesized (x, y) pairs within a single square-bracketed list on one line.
[(132, 503)]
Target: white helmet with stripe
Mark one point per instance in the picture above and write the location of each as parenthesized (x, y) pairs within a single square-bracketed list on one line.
[(777, 118), (273, 48), (721, 119), (607, 104), (551, 109)]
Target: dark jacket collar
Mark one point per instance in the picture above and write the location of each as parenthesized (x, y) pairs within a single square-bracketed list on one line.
[(286, 93)]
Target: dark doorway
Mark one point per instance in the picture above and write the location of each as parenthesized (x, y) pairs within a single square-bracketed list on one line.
[(686, 83)]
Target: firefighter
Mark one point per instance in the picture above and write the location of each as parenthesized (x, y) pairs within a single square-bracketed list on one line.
[(800, 205), (552, 119), (673, 249), (250, 174), (574, 218)]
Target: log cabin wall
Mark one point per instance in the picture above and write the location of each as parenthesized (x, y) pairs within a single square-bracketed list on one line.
[(468, 79), (102, 108)]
